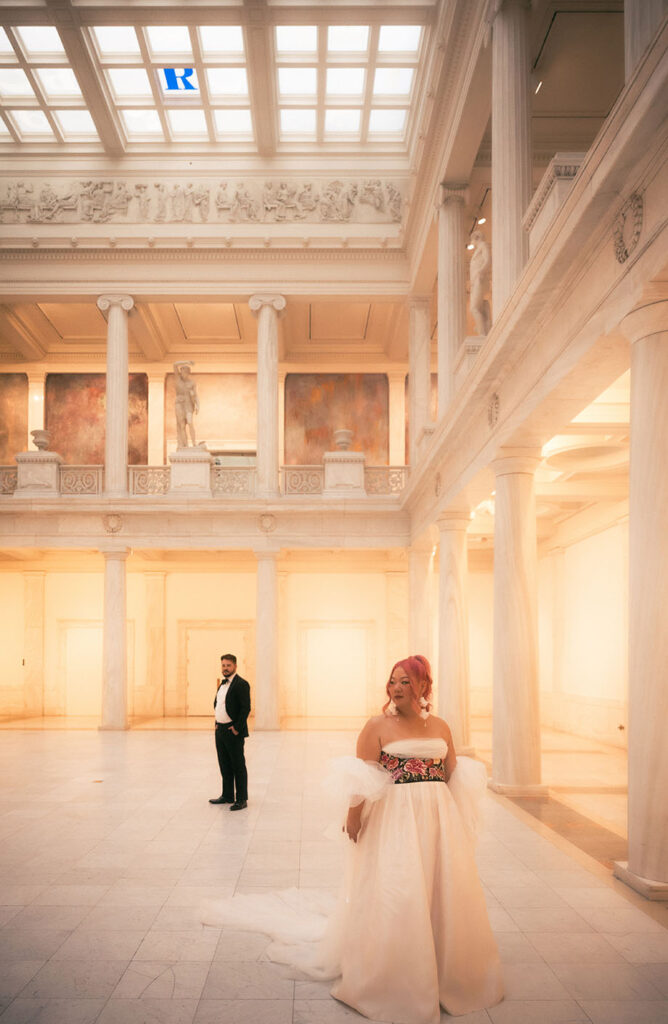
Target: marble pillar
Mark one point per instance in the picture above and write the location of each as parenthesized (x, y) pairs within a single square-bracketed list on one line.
[(152, 695), (647, 328), (267, 309), (397, 409), (266, 641), (641, 21), (453, 627), (156, 419), (36, 386), (419, 374), (511, 147), (420, 577), (451, 289), (33, 643), (516, 767), (281, 419), (114, 643), (396, 618), (116, 421)]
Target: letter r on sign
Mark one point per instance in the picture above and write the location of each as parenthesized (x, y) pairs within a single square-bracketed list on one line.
[(179, 82)]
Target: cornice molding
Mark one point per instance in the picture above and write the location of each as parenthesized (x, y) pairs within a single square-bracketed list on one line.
[(209, 255)]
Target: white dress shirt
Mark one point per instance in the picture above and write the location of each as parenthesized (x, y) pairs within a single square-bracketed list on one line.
[(220, 710)]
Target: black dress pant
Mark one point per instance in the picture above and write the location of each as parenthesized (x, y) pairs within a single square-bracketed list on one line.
[(232, 763)]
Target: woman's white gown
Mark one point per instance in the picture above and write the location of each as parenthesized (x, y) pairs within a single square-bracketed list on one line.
[(410, 930)]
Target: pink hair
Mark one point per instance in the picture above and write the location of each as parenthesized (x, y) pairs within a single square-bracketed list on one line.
[(418, 670)]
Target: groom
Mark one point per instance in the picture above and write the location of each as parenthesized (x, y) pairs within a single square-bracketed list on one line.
[(232, 708)]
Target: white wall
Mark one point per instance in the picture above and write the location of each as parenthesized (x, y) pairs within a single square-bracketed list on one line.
[(11, 645)]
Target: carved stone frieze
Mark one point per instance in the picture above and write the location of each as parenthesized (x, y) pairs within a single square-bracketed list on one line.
[(105, 200)]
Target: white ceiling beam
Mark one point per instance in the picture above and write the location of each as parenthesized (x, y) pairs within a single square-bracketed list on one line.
[(144, 331), (259, 66), (19, 336)]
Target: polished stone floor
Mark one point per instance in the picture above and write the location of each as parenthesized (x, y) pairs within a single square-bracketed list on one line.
[(108, 845)]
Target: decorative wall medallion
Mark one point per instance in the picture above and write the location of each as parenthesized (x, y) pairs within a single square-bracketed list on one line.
[(112, 523), (437, 484), (626, 229), (493, 410), (267, 522)]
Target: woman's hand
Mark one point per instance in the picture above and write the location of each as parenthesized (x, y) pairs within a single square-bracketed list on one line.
[(353, 824)]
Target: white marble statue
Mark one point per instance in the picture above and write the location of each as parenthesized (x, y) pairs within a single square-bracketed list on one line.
[(479, 279), (186, 403)]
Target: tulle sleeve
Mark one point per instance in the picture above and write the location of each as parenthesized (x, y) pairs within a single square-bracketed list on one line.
[(352, 781), (468, 784)]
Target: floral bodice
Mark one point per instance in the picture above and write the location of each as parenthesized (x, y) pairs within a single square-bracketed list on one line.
[(409, 763)]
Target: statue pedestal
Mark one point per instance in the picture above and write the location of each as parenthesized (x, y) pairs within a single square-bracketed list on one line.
[(466, 357), (38, 475), (190, 476), (344, 475)]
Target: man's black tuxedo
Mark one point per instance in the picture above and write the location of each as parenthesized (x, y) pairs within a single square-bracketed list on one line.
[(237, 703), (230, 746)]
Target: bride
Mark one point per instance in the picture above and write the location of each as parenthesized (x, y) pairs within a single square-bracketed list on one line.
[(410, 930)]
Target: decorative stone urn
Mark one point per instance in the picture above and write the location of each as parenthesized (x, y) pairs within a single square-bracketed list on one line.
[(40, 439), (343, 439), (344, 470)]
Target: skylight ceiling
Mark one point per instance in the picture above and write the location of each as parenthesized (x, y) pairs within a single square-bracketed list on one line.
[(165, 85)]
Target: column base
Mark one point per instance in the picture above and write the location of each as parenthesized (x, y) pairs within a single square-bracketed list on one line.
[(113, 728), (647, 887), (532, 792)]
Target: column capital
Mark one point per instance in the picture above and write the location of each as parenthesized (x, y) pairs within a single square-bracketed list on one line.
[(277, 302), (456, 518), (452, 193), (114, 554), (516, 460), (495, 7), (649, 317), (266, 554), (105, 302), (396, 376), (418, 301)]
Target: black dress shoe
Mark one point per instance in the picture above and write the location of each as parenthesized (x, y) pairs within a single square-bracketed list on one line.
[(239, 806), (220, 800)]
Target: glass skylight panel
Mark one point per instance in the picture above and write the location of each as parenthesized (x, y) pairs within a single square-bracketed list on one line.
[(40, 39), (296, 38), (168, 39), (76, 123), (399, 38), (187, 121), (126, 82), (297, 81), (116, 40), (58, 82), (383, 121), (233, 122), (227, 81), (142, 122), (15, 83), (32, 122), (297, 122), (6, 48), (345, 81), (178, 82), (216, 39), (342, 121), (348, 38), (392, 81)]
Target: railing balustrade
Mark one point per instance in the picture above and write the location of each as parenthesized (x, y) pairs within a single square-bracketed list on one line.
[(8, 479), (148, 479), (234, 481), (385, 479), (303, 479), (81, 479)]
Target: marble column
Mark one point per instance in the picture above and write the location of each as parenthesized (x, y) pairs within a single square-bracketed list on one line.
[(453, 627), (156, 419), (36, 396), (397, 410), (647, 328), (420, 577), (419, 373), (114, 643), (267, 309), (451, 289), (641, 20), (511, 147), (153, 694), (266, 642), (116, 422), (516, 767), (281, 419), (396, 618), (33, 642)]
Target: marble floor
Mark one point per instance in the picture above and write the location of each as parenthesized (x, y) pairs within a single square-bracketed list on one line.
[(108, 845)]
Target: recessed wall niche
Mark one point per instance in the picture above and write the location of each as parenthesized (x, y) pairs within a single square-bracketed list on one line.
[(317, 404), (74, 413)]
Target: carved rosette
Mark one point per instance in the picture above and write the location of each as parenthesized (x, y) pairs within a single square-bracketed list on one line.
[(627, 227)]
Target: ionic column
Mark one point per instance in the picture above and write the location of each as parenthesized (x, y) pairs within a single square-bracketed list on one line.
[(114, 644), (36, 396), (453, 627), (33, 642), (267, 309), (511, 147), (266, 641), (116, 421), (420, 575), (516, 768), (647, 328), (451, 289), (156, 419), (641, 20), (419, 373), (281, 418), (397, 416)]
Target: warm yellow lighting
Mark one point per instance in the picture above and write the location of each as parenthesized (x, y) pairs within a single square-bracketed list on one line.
[(482, 220), (470, 246)]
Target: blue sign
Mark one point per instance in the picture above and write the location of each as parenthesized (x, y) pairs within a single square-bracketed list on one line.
[(179, 80)]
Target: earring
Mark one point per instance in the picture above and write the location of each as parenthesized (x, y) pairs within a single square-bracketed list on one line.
[(391, 709), (424, 704)]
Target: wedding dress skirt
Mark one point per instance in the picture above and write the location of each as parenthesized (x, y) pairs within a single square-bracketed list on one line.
[(410, 930)]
